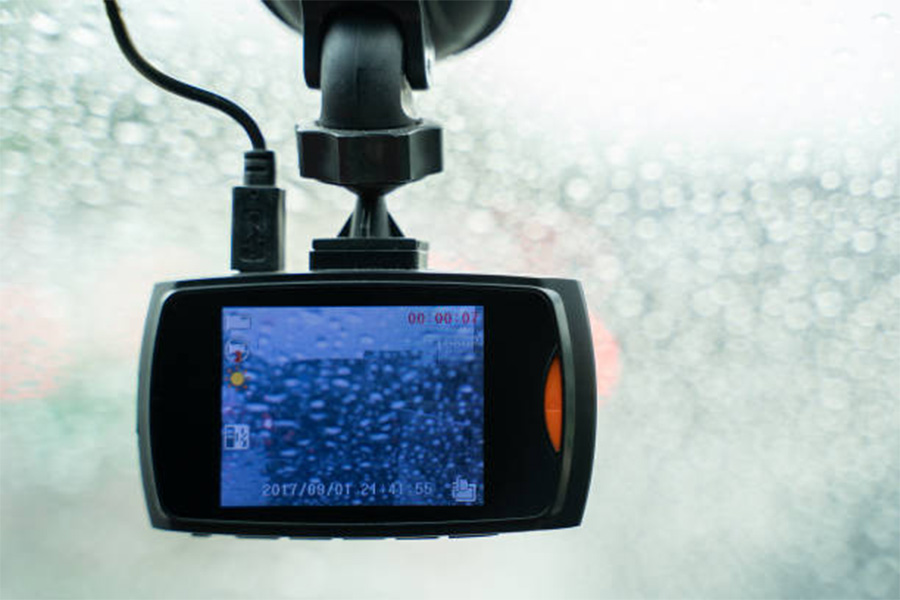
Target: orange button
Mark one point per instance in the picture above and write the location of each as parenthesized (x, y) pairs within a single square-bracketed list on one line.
[(553, 404)]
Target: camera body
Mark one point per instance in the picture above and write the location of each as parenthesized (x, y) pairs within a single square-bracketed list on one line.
[(368, 398), (366, 404)]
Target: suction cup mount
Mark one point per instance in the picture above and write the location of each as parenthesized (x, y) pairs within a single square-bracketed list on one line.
[(366, 57)]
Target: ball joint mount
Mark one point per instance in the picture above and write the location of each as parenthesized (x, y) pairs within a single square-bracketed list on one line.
[(365, 57)]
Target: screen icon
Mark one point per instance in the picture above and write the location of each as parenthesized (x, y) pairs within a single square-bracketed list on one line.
[(463, 491), (237, 350), (237, 322), (236, 437)]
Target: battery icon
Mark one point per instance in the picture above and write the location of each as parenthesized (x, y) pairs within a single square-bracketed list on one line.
[(237, 322)]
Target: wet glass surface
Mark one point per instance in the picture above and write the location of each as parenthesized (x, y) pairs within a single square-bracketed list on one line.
[(722, 177)]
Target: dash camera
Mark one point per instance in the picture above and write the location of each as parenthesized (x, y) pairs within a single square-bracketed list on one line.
[(367, 404), (368, 397)]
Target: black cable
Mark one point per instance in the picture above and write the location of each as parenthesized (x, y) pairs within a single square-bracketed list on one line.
[(179, 87)]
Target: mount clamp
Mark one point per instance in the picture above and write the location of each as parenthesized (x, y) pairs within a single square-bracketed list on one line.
[(364, 140)]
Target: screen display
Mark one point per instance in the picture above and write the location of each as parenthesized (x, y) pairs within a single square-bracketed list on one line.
[(352, 405)]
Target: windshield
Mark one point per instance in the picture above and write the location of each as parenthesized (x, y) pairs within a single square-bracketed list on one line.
[(722, 178)]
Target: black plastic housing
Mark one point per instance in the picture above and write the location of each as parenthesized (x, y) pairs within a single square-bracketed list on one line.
[(529, 322), (452, 27), (257, 229), (368, 253)]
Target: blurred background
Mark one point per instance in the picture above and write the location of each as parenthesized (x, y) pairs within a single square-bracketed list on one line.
[(722, 176)]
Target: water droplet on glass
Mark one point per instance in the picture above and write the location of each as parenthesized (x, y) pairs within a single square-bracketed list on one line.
[(84, 36), (131, 133), (578, 189), (148, 95), (882, 19), (797, 316), (841, 268), (830, 180), (617, 155), (647, 228), (15, 163), (864, 241), (703, 203), (651, 171), (672, 196), (45, 24), (843, 56), (657, 326), (828, 303), (858, 186), (480, 221), (247, 47), (798, 163), (649, 199), (618, 203), (621, 180)]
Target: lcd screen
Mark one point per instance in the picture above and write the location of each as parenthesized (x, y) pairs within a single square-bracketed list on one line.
[(352, 405)]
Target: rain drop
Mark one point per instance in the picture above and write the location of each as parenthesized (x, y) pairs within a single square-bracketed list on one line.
[(864, 241), (45, 24), (578, 190), (882, 19), (830, 180), (131, 133)]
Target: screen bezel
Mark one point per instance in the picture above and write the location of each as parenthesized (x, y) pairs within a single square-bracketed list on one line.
[(521, 473)]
